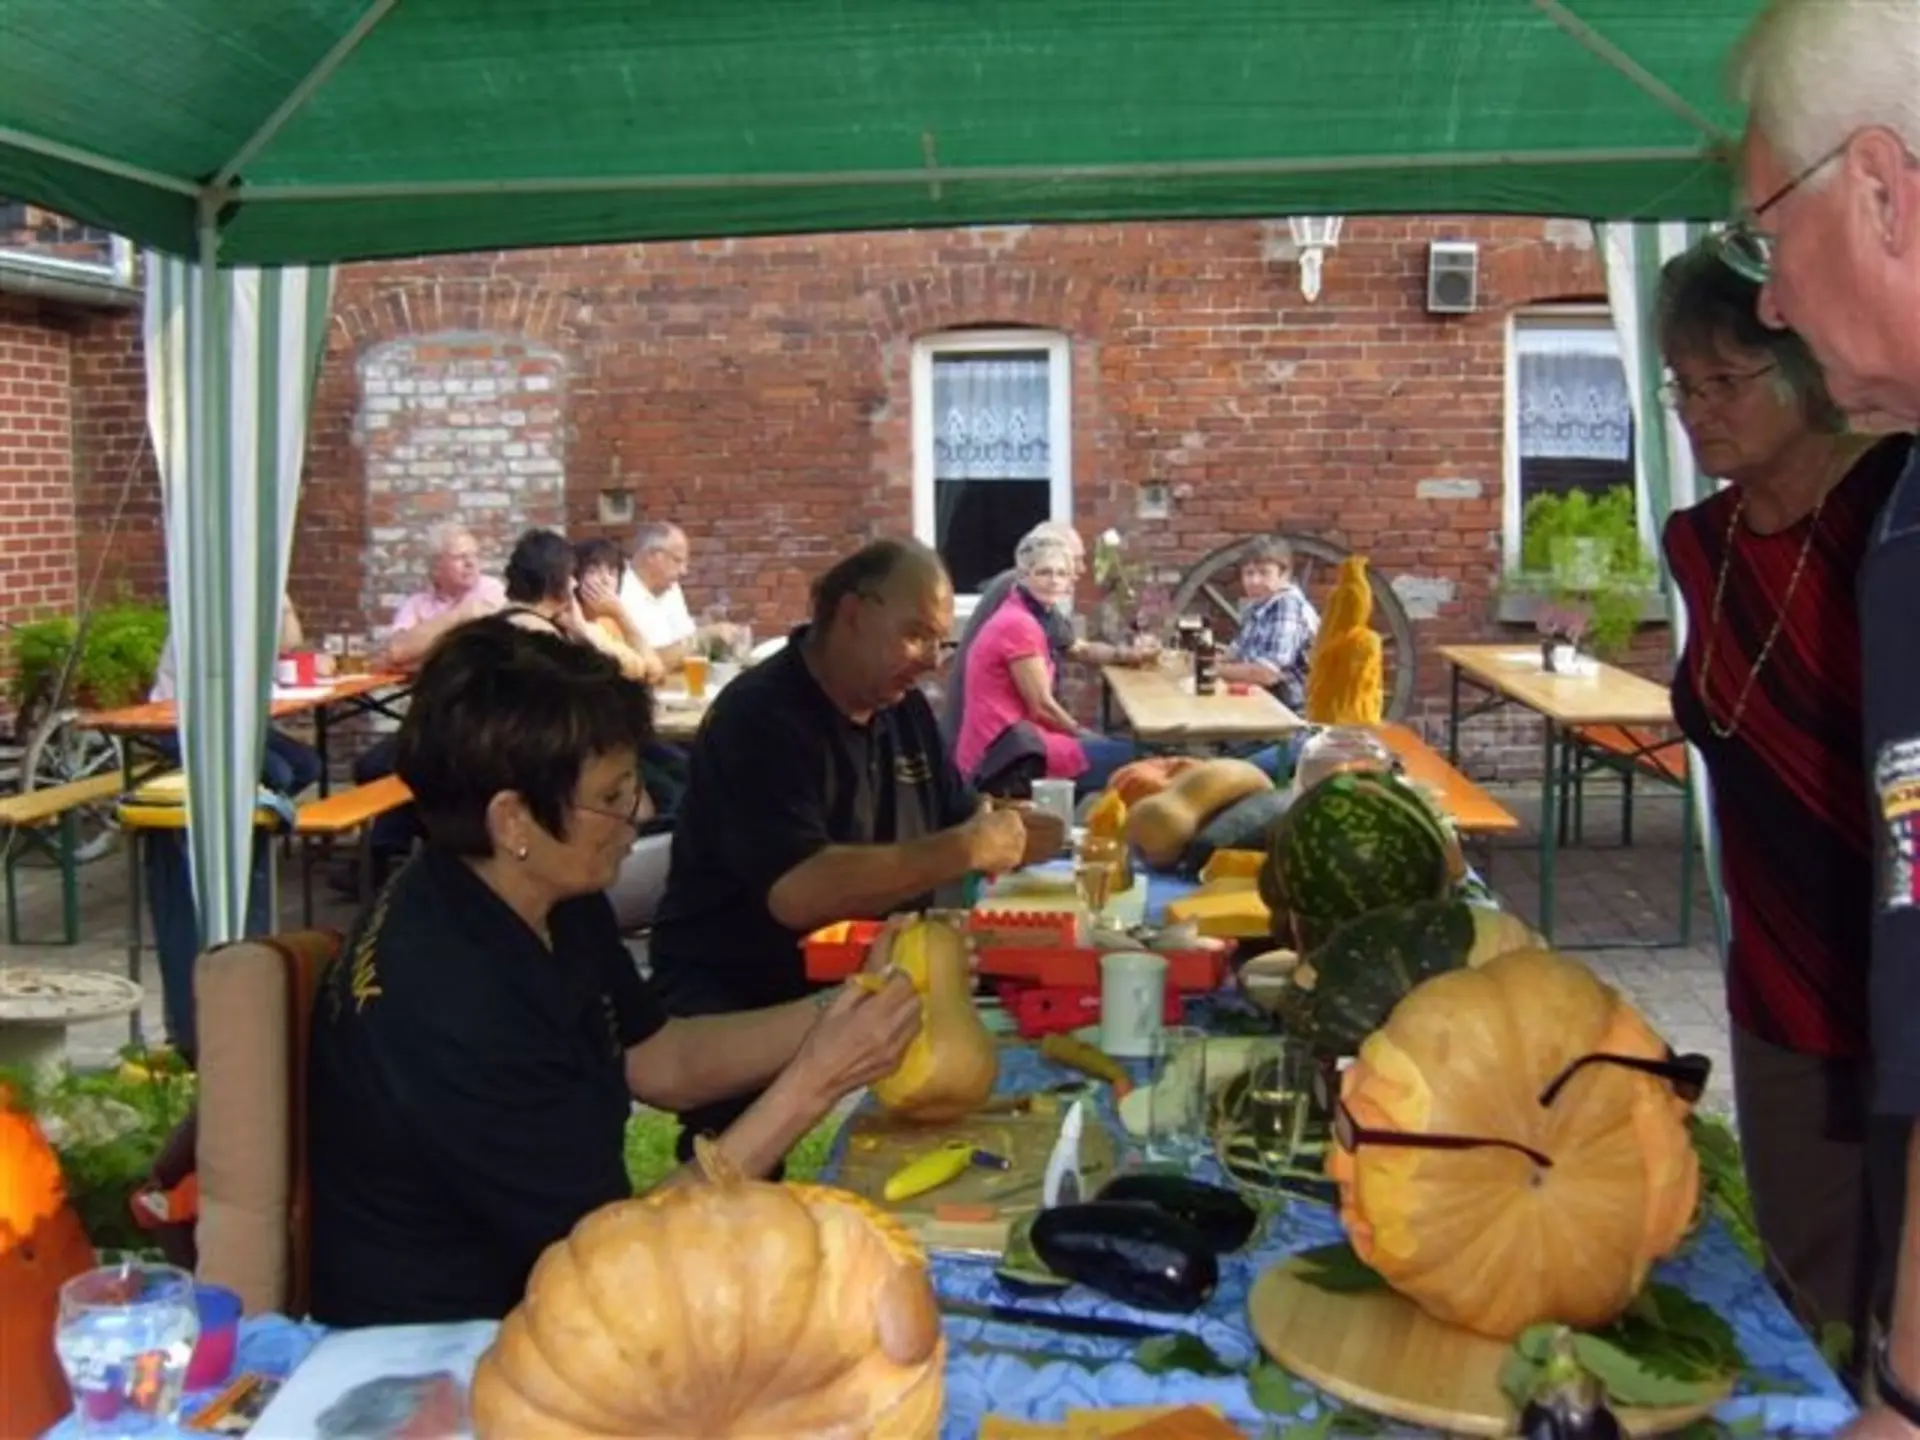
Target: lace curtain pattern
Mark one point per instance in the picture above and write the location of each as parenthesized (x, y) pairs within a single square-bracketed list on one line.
[(1572, 393), (990, 417)]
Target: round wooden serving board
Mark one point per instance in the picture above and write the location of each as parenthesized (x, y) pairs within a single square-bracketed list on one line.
[(1381, 1352)]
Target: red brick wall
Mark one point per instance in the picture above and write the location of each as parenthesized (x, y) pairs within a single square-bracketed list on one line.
[(758, 393), (36, 474)]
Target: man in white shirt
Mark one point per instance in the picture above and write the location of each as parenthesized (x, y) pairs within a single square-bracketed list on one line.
[(650, 591)]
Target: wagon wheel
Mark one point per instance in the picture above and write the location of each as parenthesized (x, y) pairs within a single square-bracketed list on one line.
[(1210, 588), (59, 750)]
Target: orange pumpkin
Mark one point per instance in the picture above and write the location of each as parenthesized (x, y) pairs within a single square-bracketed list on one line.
[(1137, 779), (42, 1246), (730, 1308), (1487, 1238)]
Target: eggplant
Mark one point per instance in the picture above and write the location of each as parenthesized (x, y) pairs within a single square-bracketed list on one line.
[(1567, 1402), (1135, 1253), (1221, 1218)]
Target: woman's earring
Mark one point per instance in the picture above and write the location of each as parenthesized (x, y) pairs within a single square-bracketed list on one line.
[(521, 853)]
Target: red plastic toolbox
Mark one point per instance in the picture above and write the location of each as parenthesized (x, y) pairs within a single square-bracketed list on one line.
[(1039, 1010), (1035, 946)]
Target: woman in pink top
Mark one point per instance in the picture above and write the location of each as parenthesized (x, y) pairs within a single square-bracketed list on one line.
[(1013, 730)]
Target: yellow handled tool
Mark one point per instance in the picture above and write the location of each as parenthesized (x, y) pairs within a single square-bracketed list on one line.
[(936, 1167)]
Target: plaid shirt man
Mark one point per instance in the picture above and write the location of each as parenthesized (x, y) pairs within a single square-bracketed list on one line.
[(1279, 631)]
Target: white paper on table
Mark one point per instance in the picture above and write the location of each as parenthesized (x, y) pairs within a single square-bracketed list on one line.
[(282, 694), (349, 1359)]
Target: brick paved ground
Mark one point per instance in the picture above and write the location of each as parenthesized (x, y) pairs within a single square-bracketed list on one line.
[(1604, 892)]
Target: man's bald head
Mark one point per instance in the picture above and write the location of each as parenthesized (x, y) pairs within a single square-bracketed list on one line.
[(888, 569)]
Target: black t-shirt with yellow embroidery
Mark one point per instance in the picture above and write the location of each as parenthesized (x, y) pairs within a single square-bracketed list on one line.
[(467, 1096)]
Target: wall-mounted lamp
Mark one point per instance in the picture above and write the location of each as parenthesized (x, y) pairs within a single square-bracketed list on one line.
[(1313, 236)]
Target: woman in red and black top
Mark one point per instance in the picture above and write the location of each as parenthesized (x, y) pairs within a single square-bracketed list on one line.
[(1768, 690)]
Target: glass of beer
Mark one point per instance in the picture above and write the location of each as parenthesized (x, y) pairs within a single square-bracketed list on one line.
[(1097, 873), (694, 669)]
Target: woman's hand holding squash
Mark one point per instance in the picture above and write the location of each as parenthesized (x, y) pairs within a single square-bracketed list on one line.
[(858, 1039)]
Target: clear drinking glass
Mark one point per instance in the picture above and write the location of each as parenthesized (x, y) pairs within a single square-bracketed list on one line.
[(1177, 1103), (124, 1336), (1098, 869), (1262, 1129)]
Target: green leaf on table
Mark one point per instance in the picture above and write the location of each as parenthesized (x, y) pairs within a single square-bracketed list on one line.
[(1519, 1377), (1836, 1344), (1276, 1391), (1672, 1335), (1163, 1354), (1336, 1269), (1630, 1381)]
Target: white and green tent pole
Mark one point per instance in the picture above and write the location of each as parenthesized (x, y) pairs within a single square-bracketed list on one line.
[(231, 358), (1634, 254)]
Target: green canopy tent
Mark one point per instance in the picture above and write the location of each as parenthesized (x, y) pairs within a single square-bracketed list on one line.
[(311, 131)]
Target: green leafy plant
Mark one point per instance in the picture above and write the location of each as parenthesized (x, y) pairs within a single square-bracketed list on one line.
[(117, 662), (107, 1127), (1557, 531)]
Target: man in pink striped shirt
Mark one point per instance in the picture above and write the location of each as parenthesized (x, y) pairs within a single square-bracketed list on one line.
[(458, 593)]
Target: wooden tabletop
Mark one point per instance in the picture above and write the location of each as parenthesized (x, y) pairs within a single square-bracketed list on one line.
[(158, 716), (1157, 708), (1473, 810), (1611, 696)]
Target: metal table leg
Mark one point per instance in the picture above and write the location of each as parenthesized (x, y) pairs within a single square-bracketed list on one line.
[(1453, 716), (1550, 799)]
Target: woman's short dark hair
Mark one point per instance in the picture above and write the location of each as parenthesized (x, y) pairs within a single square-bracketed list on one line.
[(599, 553), (500, 707), (1705, 305), (540, 568)]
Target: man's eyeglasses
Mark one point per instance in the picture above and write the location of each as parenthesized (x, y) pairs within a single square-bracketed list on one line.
[(1350, 1134), (635, 815), (1748, 250), (1687, 1074), (1711, 390)]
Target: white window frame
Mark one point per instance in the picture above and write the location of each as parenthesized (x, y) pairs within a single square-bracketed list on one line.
[(1059, 352), (1571, 316)]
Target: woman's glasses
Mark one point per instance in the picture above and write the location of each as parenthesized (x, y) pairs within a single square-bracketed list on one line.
[(637, 814), (1687, 1074)]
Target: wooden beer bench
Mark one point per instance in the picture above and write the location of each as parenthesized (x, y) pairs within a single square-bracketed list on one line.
[(323, 822), (29, 818)]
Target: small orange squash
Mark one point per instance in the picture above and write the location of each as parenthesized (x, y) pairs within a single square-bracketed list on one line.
[(730, 1308), (1161, 826), (1137, 779), (42, 1246), (1486, 1238)]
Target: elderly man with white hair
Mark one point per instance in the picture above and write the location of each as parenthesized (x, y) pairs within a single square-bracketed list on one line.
[(1831, 229), (651, 594), (456, 593)]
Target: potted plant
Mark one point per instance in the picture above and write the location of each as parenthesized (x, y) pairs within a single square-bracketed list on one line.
[(116, 665), (1584, 551), (1561, 627), (1115, 578)]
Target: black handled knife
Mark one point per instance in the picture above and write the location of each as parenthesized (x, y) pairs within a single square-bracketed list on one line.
[(1050, 1320)]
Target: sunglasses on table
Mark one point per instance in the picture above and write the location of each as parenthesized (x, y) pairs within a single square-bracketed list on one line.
[(1687, 1074)]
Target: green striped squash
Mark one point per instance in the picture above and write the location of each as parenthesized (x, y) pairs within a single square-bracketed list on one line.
[(1354, 843)]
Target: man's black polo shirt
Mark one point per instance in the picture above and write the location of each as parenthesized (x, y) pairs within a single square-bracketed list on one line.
[(466, 1094), (778, 774)]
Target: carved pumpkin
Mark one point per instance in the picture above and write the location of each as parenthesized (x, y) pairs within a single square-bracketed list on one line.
[(42, 1246), (732, 1308), (950, 1065), (1487, 1238), (1345, 681)]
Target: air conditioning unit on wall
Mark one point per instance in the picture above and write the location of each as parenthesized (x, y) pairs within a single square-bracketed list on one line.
[(1453, 277)]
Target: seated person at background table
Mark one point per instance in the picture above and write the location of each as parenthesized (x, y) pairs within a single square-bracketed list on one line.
[(479, 1043), (820, 791), (599, 565), (456, 593), (655, 602), (1062, 636), (1013, 730), (1277, 625), (288, 768)]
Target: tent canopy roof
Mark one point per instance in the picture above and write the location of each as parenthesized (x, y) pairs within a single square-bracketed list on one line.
[(349, 129)]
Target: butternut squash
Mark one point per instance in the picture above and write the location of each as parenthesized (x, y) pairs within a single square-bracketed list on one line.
[(1163, 825), (950, 1066), (1345, 684), (1137, 779)]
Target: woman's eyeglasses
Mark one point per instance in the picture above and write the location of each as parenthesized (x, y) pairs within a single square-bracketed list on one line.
[(1711, 390), (1687, 1074), (635, 815)]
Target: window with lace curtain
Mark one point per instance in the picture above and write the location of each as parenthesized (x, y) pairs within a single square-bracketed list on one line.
[(1570, 419), (991, 428)]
